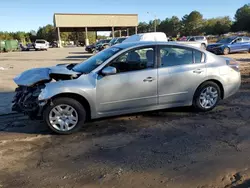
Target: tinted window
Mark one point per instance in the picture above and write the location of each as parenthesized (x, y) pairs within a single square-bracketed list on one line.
[(172, 56), (139, 59), (192, 39), (40, 42), (96, 60)]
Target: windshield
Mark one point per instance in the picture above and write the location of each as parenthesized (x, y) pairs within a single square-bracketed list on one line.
[(226, 40), (120, 40), (93, 62), (99, 42), (112, 42), (102, 42)]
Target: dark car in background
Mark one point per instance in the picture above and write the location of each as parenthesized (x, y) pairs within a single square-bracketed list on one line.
[(102, 45), (116, 40), (230, 45), (91, 48)]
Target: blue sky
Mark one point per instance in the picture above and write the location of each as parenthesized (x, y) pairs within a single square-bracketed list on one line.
[(26, 15)]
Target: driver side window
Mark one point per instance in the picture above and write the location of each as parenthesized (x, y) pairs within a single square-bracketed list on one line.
[(239, 40), (134, 60)]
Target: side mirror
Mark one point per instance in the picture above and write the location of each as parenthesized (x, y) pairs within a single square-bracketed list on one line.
[(109, 71)]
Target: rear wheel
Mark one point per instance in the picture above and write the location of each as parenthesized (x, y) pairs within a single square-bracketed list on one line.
[(206, 96), (203, 46), (226, 51), (64, 115)]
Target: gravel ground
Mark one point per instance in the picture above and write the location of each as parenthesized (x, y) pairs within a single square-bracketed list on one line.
[(174, 148)]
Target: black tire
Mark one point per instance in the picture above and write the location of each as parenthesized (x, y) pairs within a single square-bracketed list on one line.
[(203, 46), (196, 100), (81, 112), (226, 51)]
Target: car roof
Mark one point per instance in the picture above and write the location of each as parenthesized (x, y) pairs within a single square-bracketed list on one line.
[(125, 45)]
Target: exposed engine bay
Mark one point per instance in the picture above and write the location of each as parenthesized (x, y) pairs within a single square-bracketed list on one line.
[(30, 84)]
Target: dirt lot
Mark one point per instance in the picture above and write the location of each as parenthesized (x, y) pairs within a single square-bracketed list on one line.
[(171, 148)]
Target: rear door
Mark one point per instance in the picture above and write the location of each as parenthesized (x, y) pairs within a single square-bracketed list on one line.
[(246, 41), (180, 72)]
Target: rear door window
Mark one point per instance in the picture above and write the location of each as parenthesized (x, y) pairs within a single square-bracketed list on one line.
[(173, 56), (246, 39)]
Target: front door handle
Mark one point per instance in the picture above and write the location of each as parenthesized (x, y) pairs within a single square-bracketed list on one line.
[(149, 79), (198, 71)]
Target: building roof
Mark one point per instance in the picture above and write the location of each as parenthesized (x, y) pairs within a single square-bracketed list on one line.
[(67, 20)]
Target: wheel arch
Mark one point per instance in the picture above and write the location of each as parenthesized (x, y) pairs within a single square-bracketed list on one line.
[(227, 47), (216, 82), (84, 102)]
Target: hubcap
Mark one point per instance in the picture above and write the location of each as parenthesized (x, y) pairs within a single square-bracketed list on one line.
[(63, 117), (208, 97)]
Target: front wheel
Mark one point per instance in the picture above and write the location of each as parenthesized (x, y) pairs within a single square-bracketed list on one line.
[(206, 96), (64, 115), (226, 51)]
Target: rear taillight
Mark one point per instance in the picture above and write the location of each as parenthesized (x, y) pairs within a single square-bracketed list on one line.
[(233, 64)]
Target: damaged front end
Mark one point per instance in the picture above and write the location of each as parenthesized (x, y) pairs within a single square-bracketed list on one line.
[(30, 84), (26, 101)]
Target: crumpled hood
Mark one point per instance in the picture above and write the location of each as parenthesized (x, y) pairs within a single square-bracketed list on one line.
[(33, 76)]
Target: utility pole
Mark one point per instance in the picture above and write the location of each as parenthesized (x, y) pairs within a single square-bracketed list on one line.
[(155, 21)]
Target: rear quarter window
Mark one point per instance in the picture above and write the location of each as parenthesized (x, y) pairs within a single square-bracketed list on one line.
[(246, 39)]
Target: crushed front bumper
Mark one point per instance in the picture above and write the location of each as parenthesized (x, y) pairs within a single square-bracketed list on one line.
[(26, 101)]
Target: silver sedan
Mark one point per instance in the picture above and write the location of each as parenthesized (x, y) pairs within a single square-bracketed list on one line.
[(126, 78)]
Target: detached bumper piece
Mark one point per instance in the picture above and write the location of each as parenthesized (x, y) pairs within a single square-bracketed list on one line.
[(26, 101)]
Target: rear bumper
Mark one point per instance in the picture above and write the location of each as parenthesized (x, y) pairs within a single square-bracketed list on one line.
[(233, 87)]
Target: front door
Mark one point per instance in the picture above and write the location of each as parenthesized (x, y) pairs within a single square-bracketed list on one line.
[(237, 45), (133, 86), (181, 71)]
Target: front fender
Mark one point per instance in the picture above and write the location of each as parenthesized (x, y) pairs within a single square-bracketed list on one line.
[(70, 86)]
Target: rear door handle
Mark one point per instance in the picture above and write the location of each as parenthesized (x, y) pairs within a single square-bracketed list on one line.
[(198, 71), (149, 79)]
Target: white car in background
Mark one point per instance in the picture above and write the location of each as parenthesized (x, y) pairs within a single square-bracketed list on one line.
[(41, 44), (196, 41), (160, 37), (153, 36)]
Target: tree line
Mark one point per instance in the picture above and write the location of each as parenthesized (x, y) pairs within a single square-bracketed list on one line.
[(189, 24)]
